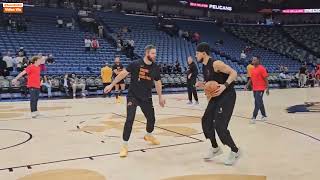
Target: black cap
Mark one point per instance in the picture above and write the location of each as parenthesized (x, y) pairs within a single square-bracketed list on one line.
[(204, 47)]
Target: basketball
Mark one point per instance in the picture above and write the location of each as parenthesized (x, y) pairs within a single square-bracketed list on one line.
[(210, 87)]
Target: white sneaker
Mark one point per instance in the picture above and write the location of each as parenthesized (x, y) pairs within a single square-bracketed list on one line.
[(83, 95), (74, 95), (196, 103), (34, 114), (213, 152), (264, 118), (231, 159), (252, 121), (189, 103)]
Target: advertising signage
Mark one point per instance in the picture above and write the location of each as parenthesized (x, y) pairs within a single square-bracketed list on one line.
[(300, 11), (210, 6)]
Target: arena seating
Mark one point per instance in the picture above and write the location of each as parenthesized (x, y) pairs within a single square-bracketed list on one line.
[(67, 46)]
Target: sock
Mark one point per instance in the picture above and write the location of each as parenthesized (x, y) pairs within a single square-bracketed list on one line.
[(234, 149), (149, 134), (125, 143), (214, 143)]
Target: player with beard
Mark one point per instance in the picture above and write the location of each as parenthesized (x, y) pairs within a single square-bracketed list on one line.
[(220, 107), (143, 73)]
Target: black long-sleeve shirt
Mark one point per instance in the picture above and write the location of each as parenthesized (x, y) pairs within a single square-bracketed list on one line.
[(193, 70)]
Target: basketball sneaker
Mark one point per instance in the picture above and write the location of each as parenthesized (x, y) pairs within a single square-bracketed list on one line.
[(34, 114), (151, 139), (189, 102), (196, 103), (213, 152), (252, 120), (231, 159), (124, 151), (264, 118)]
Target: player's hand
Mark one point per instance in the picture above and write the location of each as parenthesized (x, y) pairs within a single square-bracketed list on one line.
[(200, 84), (267, 91), (219, 91), (108, 88), (14, 82), (162, 101)]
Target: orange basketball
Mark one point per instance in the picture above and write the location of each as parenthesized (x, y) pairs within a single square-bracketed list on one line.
[(210, 87)]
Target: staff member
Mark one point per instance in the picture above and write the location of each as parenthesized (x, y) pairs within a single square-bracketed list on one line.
[(106, 76), (192, 75), (260, 84)]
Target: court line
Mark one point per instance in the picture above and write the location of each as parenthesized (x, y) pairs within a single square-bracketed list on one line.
[(163, 128), (25, 141), (272, 124), (10, 169)]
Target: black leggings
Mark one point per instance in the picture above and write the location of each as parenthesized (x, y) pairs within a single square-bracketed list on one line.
[(148, 111), (192, 90), (34, 97), (217, 117)]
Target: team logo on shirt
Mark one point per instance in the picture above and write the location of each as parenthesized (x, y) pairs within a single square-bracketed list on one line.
[(144, 74)]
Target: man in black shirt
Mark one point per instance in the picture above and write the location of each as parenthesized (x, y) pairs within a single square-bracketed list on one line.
[(192, 75), (120, 86), (143, 73), (220, 107)]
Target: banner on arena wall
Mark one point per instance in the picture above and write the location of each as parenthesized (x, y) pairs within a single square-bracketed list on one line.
[(210, 6), (300, 11), (16, 8)]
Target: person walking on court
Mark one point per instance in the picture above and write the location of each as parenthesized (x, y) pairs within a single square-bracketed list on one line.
[(192, 75), (220, 107), (260, 84), (33, 83), (106, 76), (143, 73)]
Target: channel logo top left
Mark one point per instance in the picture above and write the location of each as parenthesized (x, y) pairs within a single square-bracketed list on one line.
[(16, 8)]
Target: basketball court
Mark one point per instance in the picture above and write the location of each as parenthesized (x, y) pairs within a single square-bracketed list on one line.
[(79, 139)]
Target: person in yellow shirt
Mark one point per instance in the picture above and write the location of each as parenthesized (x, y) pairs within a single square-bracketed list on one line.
[(249, 69), (106, 75)]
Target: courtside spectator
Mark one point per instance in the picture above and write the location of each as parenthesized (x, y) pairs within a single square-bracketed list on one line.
[(76, 84), (303, 76), (9, 60), (46, 82)]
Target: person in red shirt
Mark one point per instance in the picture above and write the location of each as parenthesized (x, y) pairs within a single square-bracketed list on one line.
[(33, 83), (260, 84)]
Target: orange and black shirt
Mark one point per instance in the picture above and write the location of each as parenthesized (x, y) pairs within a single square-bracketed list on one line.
[(142, 77)]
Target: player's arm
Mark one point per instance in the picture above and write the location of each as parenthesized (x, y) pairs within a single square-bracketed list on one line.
[(224, 68), (220, 66), (124, 73), (158, 85)]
